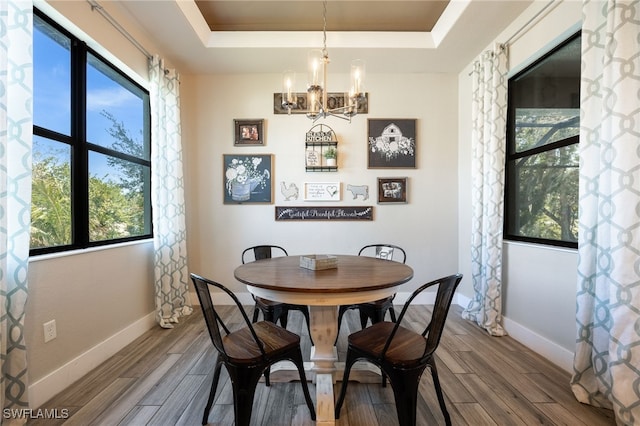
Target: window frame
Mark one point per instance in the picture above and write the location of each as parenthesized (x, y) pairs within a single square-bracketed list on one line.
[(80, 147), (512, 156)]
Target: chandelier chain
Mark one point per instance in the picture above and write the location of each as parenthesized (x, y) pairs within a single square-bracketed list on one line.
[(324, 29)]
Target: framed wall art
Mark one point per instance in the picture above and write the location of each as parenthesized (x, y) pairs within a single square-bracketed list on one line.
[(324, 213), (322, 191), (247, 178), (334, 100), (249, 132), (391, 143), (392, 190)]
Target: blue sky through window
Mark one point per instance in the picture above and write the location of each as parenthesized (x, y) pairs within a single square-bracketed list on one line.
[(107, 92)]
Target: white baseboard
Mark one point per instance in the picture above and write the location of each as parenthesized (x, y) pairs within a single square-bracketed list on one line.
[(555, 353), (56, 381)]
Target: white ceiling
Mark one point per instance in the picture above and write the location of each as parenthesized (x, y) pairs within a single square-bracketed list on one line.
[(463, 30)]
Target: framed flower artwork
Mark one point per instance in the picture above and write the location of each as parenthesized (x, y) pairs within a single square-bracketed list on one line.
[(247, 178), (391, 143)]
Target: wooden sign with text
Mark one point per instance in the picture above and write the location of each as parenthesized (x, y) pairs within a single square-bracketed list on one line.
[(324, 213)]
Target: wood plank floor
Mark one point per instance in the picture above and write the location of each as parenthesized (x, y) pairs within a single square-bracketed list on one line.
[(163, 378)]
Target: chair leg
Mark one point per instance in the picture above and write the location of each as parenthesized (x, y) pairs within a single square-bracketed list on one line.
[(377, 315), (256, 312), (351, 359), (212, 393), (392, 314), (267, 376), (364, 317), (341, 312), (305, 312), (272, 315), (283, 316), (405, 391), (268, 315), (436, 384), (244, 382), (303, 381)]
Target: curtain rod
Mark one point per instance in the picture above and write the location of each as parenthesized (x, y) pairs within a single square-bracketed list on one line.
[(96, 6), (521, 31)]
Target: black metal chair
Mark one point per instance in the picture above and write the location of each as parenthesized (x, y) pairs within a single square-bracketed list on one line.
[(271, 310), (403, 354), (246, 353), (375, 311)]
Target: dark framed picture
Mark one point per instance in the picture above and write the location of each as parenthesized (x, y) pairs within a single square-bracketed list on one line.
[(392, 190), (247, 178), (249, 132), (391, 143)]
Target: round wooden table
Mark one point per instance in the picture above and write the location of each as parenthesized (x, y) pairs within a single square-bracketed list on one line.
[(356, 279)]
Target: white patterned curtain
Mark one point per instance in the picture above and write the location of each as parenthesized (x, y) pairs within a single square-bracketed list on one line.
[(169, 230), (16, 127), (489, 117), (607, 358)]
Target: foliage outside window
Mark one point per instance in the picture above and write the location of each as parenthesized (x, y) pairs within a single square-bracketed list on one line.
[(543, 124), (91, 147)]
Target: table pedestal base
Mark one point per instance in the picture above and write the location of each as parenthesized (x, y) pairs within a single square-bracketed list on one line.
[(325, 401)]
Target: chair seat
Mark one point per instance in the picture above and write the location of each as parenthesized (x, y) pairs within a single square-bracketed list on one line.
[(407, 350), (242, 348)]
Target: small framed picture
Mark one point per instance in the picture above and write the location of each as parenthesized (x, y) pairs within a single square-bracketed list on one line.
[(392, 143), (249, 132), (392, 190), (322, 191)]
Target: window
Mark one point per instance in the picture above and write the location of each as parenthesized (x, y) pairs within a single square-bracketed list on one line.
[(91, 147), (543, 123)]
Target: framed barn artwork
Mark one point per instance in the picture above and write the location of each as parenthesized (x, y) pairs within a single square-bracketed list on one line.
[(391, 143)]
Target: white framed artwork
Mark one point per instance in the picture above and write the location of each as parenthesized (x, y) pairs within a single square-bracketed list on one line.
[(322, 191)]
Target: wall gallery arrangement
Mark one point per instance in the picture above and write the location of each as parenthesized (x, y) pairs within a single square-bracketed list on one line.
[(391, 144)]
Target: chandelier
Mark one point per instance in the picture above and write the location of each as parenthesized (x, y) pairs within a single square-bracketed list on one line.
[(317, 94)]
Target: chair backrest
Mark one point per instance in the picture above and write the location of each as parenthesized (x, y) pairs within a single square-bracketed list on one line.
[(214, 322), (264, 251), (386, 251), (433, 331)]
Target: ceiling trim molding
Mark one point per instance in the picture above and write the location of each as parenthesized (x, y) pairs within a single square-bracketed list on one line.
[(447, 20), (194, 17), (311, 39)]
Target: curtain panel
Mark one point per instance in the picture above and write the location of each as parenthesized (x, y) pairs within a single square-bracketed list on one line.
[(167, 193), (16, 129), (489, 115), (607, 357)]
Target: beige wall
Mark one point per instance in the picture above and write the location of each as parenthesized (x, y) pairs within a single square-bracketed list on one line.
[(539, 282), (426, 226)]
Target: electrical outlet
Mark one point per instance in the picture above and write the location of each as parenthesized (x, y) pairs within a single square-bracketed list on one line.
[(49, 330)]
